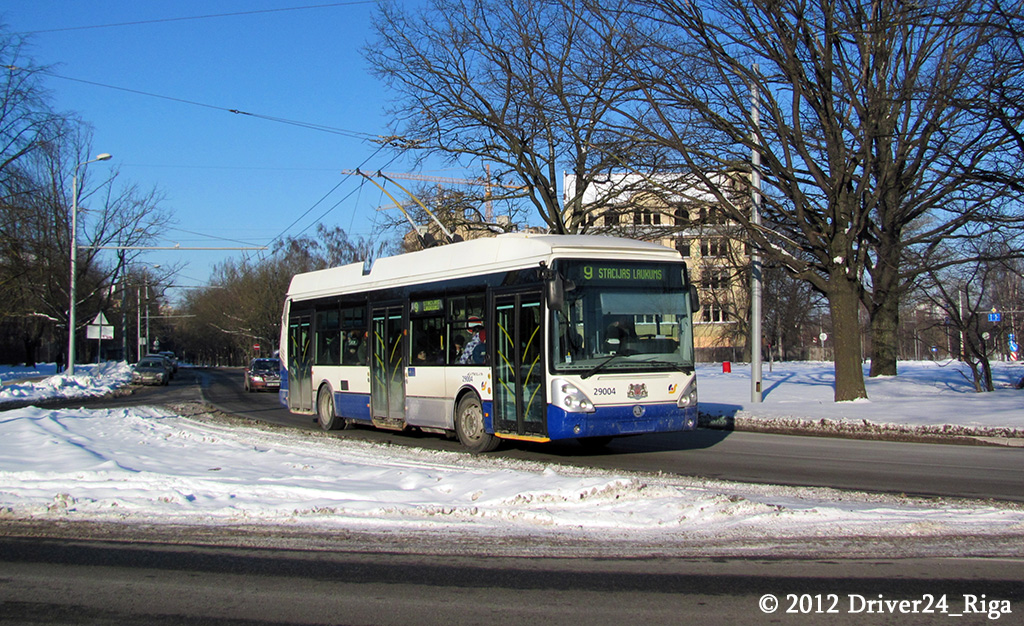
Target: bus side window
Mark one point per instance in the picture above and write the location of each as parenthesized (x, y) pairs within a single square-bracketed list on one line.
[(328, 337), (353, 321), (427, 341), (465, 314)]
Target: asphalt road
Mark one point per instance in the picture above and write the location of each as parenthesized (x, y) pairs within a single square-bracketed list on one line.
[(882, 466), (108, 583)]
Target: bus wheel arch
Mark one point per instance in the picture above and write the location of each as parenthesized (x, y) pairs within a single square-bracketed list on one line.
[(326, 414), (469, 425)]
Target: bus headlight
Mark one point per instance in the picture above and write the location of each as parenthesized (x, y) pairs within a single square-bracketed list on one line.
[(689, 396), (569, 397)]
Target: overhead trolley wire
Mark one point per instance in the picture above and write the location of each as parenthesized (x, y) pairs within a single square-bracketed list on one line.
[(334, 206), (354, 134), (198, 17)]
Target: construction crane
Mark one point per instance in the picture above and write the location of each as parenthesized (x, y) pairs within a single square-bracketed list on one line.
[(480, 182)]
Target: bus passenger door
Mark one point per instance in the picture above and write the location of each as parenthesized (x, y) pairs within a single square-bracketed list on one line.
[(300, 363), (520, 400), (387, 373)]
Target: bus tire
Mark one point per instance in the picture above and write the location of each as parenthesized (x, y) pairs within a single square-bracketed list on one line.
[(325, 413), (469, 426)]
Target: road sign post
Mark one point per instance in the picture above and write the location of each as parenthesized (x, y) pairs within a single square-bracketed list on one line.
[(99, 329)]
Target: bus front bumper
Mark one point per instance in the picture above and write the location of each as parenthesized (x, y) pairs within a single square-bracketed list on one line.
[(616, 421)]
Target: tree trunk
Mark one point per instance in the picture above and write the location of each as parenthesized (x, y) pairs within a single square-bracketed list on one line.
[(885, 319), (844, 304), (884, 306), (31, 347)]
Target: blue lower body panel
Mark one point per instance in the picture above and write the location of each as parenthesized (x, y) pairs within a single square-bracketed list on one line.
[(616, 421), (355, 406)]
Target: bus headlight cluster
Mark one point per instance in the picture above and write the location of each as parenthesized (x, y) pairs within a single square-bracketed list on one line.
[(689, 396), (569, 397)]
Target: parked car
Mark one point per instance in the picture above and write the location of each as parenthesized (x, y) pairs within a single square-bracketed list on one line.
[(167, 363), (151, 370), (263, 375), (167, 354)]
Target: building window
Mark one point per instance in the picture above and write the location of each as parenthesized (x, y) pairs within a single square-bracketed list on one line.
[(713, 312), (714, 247), (646, 217), (712, 216), (682, 216), (611, 218), (683, 246), (716, 279)]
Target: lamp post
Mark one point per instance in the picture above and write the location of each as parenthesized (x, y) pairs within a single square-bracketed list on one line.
[(74, 261)]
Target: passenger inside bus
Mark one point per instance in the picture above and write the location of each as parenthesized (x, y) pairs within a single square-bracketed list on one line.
[(430, 352), (458, 344), (355, 348), (475, 350)]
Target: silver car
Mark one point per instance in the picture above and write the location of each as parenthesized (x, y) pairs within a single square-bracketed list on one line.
[(151, 370)]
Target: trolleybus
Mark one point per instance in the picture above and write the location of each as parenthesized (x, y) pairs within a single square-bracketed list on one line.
[(519, 336)]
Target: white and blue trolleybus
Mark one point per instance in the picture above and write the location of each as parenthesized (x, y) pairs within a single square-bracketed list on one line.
[(520, 336)]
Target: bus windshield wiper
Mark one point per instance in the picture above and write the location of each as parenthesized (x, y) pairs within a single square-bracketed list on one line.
[(597, 368), (682, 367)]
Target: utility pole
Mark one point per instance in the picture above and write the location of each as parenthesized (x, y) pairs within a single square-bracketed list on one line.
[(756, 394)]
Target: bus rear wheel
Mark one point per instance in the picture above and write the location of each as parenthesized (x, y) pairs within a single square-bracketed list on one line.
[(325, 413), (469, 426)]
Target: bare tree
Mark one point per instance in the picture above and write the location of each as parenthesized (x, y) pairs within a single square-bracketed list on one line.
[(26, 118), (26, 122), (39, 155), (860, 128), (967, 293), (521, 85)]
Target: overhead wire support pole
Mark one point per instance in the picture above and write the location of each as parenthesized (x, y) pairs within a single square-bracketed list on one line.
[(756, 279)]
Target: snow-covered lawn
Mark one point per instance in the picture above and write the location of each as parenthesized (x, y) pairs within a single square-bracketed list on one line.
[(926, 396), (150, 465)]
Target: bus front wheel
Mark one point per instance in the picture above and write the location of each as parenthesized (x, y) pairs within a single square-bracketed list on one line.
[(325, 413), (469, 426)]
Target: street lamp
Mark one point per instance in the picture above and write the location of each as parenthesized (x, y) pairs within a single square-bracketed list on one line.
[(74, 261)]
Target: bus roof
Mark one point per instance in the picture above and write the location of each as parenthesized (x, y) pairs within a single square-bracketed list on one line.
[(468, 258)]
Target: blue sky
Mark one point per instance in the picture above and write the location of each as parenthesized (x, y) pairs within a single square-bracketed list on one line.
[(233, 179)]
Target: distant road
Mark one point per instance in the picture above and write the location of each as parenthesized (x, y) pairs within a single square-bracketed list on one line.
[(893, 467)]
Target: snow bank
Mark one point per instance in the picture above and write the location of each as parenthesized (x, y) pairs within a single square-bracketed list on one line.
[(89, 380)]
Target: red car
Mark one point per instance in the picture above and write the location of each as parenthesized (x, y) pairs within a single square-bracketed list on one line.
[(263, 375)]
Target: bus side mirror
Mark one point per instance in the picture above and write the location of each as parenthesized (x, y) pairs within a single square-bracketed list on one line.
[(556, 293), (694, 300), (556, 288)]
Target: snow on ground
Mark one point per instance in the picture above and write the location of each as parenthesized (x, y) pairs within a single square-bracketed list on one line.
[(926, 397), (38, 383), (155, 466)]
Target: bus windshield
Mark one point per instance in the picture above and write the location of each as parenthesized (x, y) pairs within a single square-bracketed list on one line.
[(624, 318)]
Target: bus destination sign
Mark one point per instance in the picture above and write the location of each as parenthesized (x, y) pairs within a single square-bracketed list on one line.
[(631, 274), (591, 272)]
